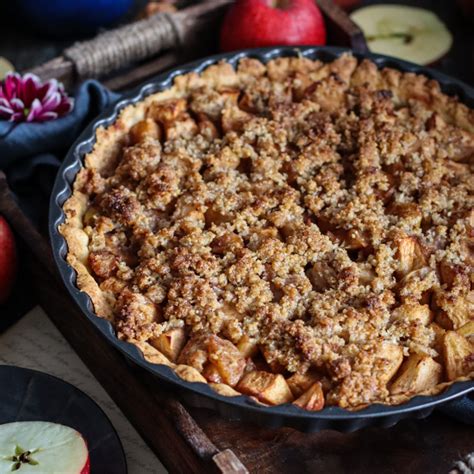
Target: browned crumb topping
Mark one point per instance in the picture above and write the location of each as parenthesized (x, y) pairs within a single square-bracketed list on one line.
[(320, 215)]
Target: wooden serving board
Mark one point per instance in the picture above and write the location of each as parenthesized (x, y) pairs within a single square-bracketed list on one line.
[(190, 440)]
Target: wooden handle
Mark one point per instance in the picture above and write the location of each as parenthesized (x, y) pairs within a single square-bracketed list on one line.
[(143, 39), (342, 30), (225, 461)]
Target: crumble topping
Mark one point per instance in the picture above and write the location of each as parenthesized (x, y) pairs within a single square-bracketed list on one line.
[(305, 218)]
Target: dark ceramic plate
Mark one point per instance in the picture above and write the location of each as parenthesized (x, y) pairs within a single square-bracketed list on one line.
[(199, 394), (29, 395)]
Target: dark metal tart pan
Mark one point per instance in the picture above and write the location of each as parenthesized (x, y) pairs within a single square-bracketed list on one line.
[(200, 394)]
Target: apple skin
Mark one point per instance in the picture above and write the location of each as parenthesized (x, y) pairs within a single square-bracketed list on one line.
[(8, 261), (257, 23), (48, 448), (87, 466)]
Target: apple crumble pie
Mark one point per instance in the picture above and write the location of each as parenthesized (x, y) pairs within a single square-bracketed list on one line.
[(298, 231)]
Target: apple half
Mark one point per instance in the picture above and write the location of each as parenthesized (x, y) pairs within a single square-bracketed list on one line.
[(40, 447), (404, 32)]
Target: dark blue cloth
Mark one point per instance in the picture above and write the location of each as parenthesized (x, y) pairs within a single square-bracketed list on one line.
[(30, 153), (461, 409)]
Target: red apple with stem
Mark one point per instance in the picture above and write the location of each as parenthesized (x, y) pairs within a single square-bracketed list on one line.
[(42, 447), (7, 260), (256, 23)]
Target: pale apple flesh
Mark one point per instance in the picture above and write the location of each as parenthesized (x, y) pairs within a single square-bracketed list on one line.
[(404, 32), (42, 447)]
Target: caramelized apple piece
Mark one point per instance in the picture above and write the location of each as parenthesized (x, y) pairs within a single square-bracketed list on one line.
[(392, 356), (418, 373), (228, 242), (312, 399), (234, 119), (322, 276), (144, 129), (206, 128), (456, 311), (409, 211), (227, 359), (366, 273), (458, 355), (211, 374), (409, 254), (170, 343), (167, 111), (449, 272), (354, 239), (194, 352), (300, 383), (216, 358), (467, 330), (413, 312), (439, 336), (266, 387), (230, 95), (247, 347)]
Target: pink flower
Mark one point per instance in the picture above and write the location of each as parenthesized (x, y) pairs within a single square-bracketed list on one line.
[(27, 99)]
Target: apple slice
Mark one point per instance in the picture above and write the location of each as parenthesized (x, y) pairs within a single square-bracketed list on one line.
[(41, 447), (409, 33)]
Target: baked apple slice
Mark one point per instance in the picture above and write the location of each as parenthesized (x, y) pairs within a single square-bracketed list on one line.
[(217, 359), (266, 387), (418, 373), (458, 355), (170, 343), (312, 399)]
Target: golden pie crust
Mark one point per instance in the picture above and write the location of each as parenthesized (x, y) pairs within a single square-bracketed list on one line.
[(298, 231)]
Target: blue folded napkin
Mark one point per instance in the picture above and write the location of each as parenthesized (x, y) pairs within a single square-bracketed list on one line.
[(462, 409), (31, 153)]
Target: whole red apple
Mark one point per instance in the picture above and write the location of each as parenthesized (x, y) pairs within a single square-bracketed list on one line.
[(7, 260), (254, 23)]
